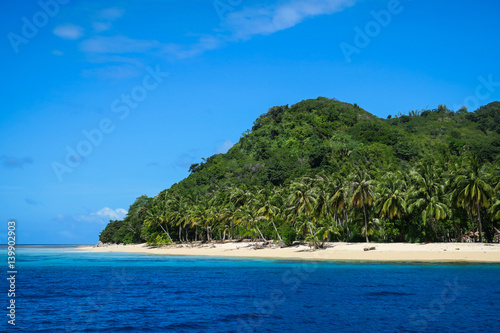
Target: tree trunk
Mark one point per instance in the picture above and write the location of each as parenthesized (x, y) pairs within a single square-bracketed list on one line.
[(304, 232), (261, 235), (346, 223), (277, 233), (479, 223), (165, 231), (366, 224), (473, 227), (314, 238), (180, 233)]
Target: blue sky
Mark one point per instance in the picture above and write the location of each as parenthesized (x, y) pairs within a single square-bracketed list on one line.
[(105, 101)]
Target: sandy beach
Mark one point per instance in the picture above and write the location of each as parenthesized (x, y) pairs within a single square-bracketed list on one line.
[(430, 252)]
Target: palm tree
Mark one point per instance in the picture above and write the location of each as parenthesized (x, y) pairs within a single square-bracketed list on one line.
[(428, 194), (248, 216), (362, 195), (473, 190), (322, 189), (339, 203), (178, 208), (198, 216), (155, 214), (392, 199), (302, 200), (268, 208), (495, 208)]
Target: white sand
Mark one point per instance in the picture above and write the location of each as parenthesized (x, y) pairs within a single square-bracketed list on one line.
[(432, 252)]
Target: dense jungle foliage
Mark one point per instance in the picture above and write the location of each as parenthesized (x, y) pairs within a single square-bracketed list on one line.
[(323, 170)]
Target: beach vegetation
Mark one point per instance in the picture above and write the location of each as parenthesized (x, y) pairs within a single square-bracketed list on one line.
[(324, 170)]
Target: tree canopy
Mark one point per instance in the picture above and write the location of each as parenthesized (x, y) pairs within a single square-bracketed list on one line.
[(325, 170)]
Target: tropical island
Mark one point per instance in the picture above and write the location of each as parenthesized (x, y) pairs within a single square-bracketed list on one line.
[(323, 171)]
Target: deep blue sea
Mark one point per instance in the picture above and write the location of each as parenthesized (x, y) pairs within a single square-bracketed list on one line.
[(59, 290)]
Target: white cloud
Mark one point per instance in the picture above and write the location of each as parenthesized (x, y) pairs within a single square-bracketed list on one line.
[(102, 216), (249, 22), (259, 20), (239, 25), (68, 31), (57, 53), (111, 14), (113, 72), (226, 145), (66, 234), (118, 44), (101, 26), (105, 17), (111, 214)]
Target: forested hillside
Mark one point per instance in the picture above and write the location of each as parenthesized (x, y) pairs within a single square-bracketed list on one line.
[(324, 170)]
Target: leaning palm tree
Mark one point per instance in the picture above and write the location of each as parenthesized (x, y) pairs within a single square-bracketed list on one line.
[(247, 216), (473, 189), (268, 208), (362, 195), (155, 214)]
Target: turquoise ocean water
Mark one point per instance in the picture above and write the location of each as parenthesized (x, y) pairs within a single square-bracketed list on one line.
[(60, 290)]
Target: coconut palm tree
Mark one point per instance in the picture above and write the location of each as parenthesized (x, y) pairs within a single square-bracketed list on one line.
[(268, 206), (302, 201), (156, 214), (428, 194), (198, 216), (248, 216), (322, 189), (392, 196), (473, 189), (339, 203), (495, 207), (362, 194)]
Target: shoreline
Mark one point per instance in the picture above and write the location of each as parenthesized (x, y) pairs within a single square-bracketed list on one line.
[(382, 252)]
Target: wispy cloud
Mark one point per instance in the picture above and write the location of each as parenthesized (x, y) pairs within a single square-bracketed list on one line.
[(113, 214), (250, 22), (185, 160), (102, 216), (111, 14), (68, 31), (105, 18), (113, 72), (33, 202), (239, 25), (12, 162), (224, 147), (259, 20), (101, 26), (118, 44), (65, 234)]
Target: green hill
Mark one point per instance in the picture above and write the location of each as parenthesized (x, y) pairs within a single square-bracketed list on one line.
[(323, 169)]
